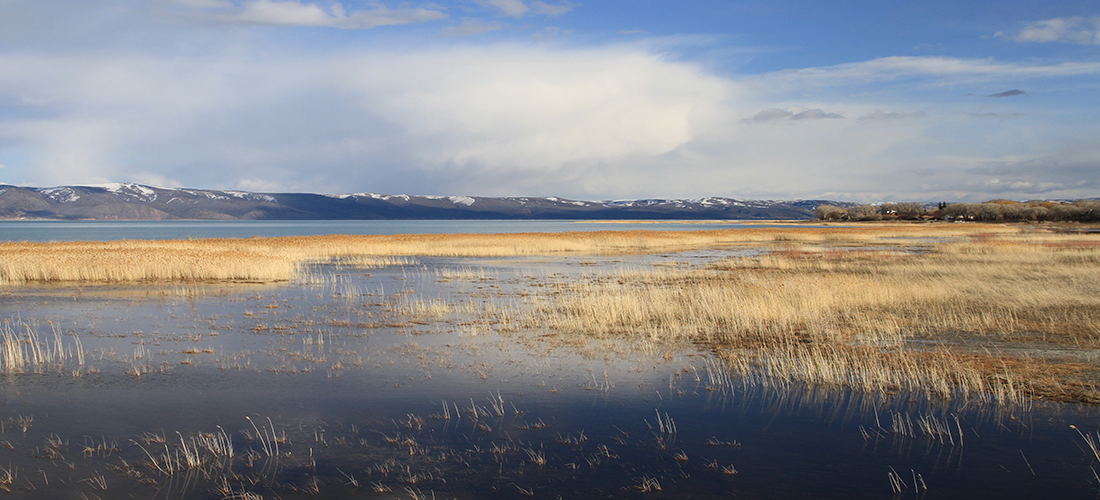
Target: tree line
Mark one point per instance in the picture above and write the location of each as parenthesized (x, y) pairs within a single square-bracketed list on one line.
[(994, 210)]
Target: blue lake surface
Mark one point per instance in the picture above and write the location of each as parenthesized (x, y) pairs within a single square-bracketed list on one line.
[(44, 231)]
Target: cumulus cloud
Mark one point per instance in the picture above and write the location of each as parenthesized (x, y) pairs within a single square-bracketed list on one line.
[(503, 119), (369, 118), (294, 13), (526, 108), (1075, 29), (1008, 93), (255, 109), (790, 113)]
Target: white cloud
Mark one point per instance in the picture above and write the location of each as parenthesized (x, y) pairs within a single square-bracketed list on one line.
[(154, 179), (294, 13), (1076, 29), (252, 109), (519, 8), (546, 9), (523, 108), (257, 185), (366, 118), (511, 8)]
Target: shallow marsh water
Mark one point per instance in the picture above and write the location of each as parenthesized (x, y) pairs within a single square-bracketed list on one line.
[(354, 386)]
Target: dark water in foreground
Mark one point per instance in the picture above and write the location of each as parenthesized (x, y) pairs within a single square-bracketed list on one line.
[(352, 387), (161, 230)]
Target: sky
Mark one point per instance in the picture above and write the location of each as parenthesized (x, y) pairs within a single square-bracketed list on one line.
[(864, 101)]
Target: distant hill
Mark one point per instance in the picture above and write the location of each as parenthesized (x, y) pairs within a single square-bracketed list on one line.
[(128, 201)]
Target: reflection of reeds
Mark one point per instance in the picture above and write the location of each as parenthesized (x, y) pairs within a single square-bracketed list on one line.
[(226, 492), (537, 457), (269, 441), (1093, 442), (195, 453), (647, 484)]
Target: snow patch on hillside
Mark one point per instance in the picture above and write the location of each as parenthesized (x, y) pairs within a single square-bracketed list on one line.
[(555, 199), (245, 195), (60, 195), (461, 200)]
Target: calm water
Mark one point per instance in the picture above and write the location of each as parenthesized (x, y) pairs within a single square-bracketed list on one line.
[(359, 399), (162, 230)]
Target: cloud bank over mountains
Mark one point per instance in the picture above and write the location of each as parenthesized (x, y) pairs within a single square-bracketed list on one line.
[(268, 95)]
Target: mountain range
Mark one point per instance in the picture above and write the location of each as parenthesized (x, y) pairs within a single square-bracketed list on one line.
[(129, 201)]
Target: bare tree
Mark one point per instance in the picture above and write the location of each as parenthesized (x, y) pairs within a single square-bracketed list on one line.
[(825, 211)]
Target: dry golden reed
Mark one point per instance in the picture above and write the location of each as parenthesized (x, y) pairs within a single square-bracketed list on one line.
[(279, 259), (829, 311)]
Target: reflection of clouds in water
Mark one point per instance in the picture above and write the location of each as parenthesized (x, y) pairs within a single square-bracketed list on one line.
[(588, 409)]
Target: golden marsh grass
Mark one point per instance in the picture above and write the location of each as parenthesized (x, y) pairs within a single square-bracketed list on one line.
[(280, 259), (822, 310), (840, 305)]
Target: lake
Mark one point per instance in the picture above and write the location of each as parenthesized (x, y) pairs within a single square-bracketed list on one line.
[(45, 231)]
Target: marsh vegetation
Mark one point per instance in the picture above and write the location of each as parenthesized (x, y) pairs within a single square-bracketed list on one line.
[(690, 364)]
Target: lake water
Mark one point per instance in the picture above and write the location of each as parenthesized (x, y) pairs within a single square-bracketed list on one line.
[(160, 230)]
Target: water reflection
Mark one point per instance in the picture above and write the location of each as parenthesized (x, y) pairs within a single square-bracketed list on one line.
[(344, 388)]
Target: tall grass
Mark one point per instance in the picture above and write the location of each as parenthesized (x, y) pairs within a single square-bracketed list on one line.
[(280, 259), (847, 315), (836, 305), (23, 350)]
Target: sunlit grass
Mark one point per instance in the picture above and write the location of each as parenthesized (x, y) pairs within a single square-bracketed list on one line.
[(23, 350), (846, 315), (834, 305), (281, 259)]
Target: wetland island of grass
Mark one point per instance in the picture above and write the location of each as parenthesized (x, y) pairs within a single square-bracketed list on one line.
[(925, 360)]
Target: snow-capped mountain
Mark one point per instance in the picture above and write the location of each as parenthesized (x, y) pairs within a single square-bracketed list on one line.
[(129, 201)]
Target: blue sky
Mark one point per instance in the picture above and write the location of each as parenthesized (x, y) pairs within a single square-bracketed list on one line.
[(855, 100)]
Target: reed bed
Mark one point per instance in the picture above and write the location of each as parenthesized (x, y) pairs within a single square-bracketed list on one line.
[(139, 260), (941, 374), (849, 315), (281, 259), (836, 305)]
